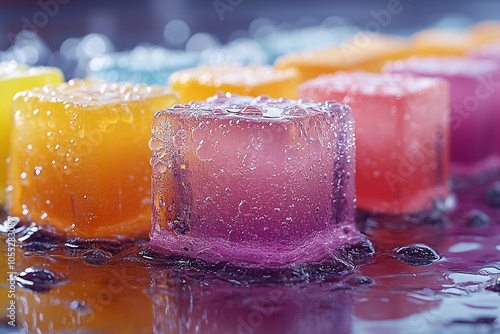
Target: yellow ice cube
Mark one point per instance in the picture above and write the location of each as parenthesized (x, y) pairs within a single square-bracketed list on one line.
[(15, 78)]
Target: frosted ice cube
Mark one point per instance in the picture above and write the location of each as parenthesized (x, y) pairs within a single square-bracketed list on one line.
[(232, 184), (401, 137), (474, 121)]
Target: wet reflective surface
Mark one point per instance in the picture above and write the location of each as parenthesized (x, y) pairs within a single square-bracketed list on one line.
[(437, 276)]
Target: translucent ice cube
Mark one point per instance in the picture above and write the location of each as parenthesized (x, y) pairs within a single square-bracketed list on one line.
[(79, 157), (14, 78), (199, 83), (249, 181), (474, 121), (401, 137)]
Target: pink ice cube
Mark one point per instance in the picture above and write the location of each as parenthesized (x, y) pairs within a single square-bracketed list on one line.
[(488, 51), (475, 121), (401, 137), (249, 181)]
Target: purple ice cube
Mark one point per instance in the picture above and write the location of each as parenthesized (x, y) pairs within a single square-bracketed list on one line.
[(474, 120), (253, 181)]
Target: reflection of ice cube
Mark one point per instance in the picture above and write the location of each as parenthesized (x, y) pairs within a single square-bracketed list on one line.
[(215, 306), (83, 305)]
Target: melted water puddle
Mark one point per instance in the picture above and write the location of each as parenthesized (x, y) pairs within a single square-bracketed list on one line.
[(442, 276)]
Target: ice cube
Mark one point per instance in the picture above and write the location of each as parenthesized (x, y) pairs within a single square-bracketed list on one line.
[(401, 137), (14, 78), (474, 101), (441, 42), (236, 181), (361, 52), (297, 308), (79, 157), (486, 32), (199, 83)]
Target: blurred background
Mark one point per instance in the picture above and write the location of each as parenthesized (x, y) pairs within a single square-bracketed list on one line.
[(69, 33)]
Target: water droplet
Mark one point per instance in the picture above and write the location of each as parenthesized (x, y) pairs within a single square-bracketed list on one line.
[(205, 150), (476, 219), (251, 110), (38, 170), (416, 255), (38, 280), (160, 167), (493, 195), (179, 140), (495, 286), (79, 306), (155, 144), (358, 253), (361, 280), (244, 208), (95, 256)]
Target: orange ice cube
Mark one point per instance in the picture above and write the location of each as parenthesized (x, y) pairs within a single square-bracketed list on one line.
[(435, 42), (486, 32), (199, 83), (363, 51), (15, 78), (80, 157)]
